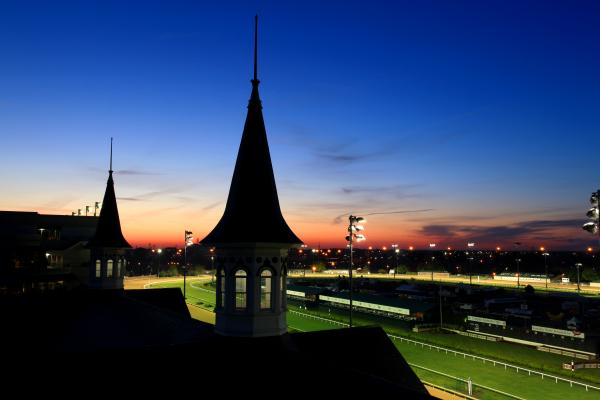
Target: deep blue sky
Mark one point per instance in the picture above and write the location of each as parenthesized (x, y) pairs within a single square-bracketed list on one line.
[(486, 112)]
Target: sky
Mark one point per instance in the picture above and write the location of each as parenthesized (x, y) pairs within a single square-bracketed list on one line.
[(442, 122)]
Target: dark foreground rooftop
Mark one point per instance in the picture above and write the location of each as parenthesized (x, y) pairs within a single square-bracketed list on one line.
[(149, 336)]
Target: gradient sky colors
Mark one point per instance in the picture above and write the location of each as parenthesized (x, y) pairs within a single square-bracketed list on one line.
[(487, 113)]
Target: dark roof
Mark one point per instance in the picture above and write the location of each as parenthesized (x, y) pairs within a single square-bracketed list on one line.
[(252, 213), (96, 320), (95, 331), (354, 350), (108, 231), (167, 298)]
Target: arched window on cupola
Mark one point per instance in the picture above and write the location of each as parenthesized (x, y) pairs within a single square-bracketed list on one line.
[(241, 295), (109, 268), (98, 268), (266, 289), (119, 266)]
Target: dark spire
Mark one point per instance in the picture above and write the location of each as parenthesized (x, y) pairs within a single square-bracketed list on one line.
[(252, 213), (108, 231)]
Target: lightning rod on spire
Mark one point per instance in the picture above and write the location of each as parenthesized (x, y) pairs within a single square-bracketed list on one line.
[(111, 170), (255, 46)]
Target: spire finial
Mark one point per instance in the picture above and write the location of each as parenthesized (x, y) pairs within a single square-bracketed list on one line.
[(110, 170), (255, 46)]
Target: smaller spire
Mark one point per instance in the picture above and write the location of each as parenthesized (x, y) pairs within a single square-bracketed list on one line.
[(255, 80), (110, 171)]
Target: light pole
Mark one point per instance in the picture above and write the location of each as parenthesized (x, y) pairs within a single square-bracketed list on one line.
[(471, 245), (314, 251), (432, 246), (158, 265), (396, 251), (545, 264), (518, 260), (353, 227), (212, 264), (187, 240), (577, 266), (518, 274)]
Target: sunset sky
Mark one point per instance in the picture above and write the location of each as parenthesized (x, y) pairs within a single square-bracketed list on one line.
[(483, 115)]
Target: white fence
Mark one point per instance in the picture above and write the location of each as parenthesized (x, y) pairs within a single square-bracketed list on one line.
[(494, 362), (466, 382), (465, 355)]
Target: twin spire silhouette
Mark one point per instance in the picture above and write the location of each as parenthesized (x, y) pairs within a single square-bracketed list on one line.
[(252, 195)]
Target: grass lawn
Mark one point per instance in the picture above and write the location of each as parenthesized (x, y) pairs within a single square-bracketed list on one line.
[(501, 351)]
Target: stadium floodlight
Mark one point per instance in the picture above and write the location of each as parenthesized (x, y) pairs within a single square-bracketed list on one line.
[(591, 227), (593, 213), (353, 226)]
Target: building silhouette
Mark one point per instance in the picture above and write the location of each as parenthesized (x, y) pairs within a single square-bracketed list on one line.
[(252, 237), (107, 246)]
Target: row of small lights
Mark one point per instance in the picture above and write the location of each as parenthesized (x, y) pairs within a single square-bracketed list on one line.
[(397, 250)]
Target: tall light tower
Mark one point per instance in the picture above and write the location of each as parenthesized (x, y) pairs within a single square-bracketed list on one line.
[(187, 241), (545, 254), (471, 245), (353, 228), (578, 265), (432, 247), (158, 265), (396, 251), (518, 260)]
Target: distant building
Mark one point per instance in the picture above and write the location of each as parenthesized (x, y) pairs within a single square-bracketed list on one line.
[(41, 252), (30, 239)]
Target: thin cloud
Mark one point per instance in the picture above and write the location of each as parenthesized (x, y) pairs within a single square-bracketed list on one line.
[(135, 172), (535, 229), (211, 206), (148, 196), (396, 191), (339, 218)]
